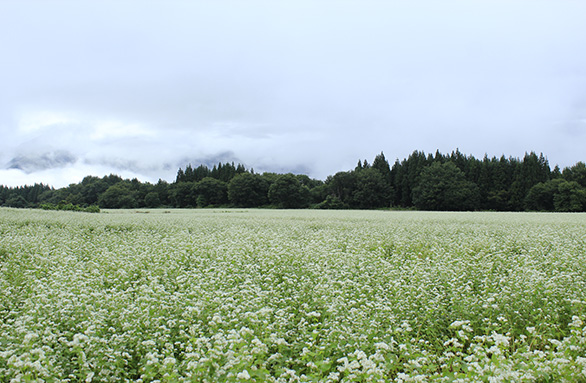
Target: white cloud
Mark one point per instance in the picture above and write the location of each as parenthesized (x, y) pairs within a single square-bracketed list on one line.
[(112, 130), (143, 87), (34, 121), (60, 177)]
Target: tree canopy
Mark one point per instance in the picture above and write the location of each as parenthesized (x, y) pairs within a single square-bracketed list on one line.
[(442, 186), (436, 181)]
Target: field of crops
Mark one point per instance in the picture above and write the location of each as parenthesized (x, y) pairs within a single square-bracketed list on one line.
[(292, 296)]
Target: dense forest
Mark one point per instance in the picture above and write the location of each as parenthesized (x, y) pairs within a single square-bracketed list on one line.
[(421, 181)]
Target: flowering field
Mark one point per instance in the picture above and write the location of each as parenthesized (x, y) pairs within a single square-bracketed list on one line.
[(292, 296)]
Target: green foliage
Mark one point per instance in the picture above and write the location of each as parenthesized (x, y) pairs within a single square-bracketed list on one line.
[(576, 173), (248, 190), (16, 201), (570, 197), (341, 186), (372, 190), (381, 164), (531, 171), (184, 194), (502, 184), (331, 202), (222, 172), (287, 192), (405, 175), (118, 196), (152, 199), (24, 196), (540, 196), (556, 195), (93, 187), (92, 209), (211, 191), (444, 187)]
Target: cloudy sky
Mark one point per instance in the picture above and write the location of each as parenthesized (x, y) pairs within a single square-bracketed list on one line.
[(141, 88)]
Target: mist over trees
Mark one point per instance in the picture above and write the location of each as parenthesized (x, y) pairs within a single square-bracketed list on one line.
[(420, 181)]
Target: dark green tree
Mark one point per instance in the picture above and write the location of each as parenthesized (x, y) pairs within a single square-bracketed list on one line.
[(331, 202), (287, 192), (91, 189), (211, 191), (342, 186), (498, 192), (16, 201), (270, 177), (556, 172), (576, 173), (540, 196), (119, 196), (152, 199), (184, 195), (318, 193), (554, 195), (162, 188), (372, 190), (248, 190), (381, 164), (570, 197), (528, 173), (444, 187), (405, 175)]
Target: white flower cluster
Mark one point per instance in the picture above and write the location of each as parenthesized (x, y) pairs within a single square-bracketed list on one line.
[(291, 296)]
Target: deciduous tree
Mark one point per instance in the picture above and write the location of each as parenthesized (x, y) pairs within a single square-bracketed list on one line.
[(444, 187), (287, 192), (248, 190)]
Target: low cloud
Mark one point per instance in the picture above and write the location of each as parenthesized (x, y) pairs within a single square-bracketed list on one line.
[(30, 163)]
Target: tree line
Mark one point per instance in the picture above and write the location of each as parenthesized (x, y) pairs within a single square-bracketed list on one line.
[(421, 181)]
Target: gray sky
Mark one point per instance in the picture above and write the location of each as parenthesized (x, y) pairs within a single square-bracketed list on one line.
[(140, 88)]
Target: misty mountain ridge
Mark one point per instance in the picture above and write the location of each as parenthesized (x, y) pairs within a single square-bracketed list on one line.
[(30, 163)]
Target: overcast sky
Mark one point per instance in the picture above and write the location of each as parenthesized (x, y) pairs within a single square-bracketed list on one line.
[(141, 88)]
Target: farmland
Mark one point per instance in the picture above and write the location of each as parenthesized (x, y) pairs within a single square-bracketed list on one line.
[(292, 296)]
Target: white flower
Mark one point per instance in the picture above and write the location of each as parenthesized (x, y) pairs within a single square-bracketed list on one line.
[(29, 337), (169, 360), (576, 321), (244, 375), (500, 339)]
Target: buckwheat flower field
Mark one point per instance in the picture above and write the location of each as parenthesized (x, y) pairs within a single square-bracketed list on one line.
[(292, 296)]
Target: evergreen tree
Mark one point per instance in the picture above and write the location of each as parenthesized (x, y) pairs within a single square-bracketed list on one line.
[(381, 164), (413, 166), (189, 175), (528, 173)]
